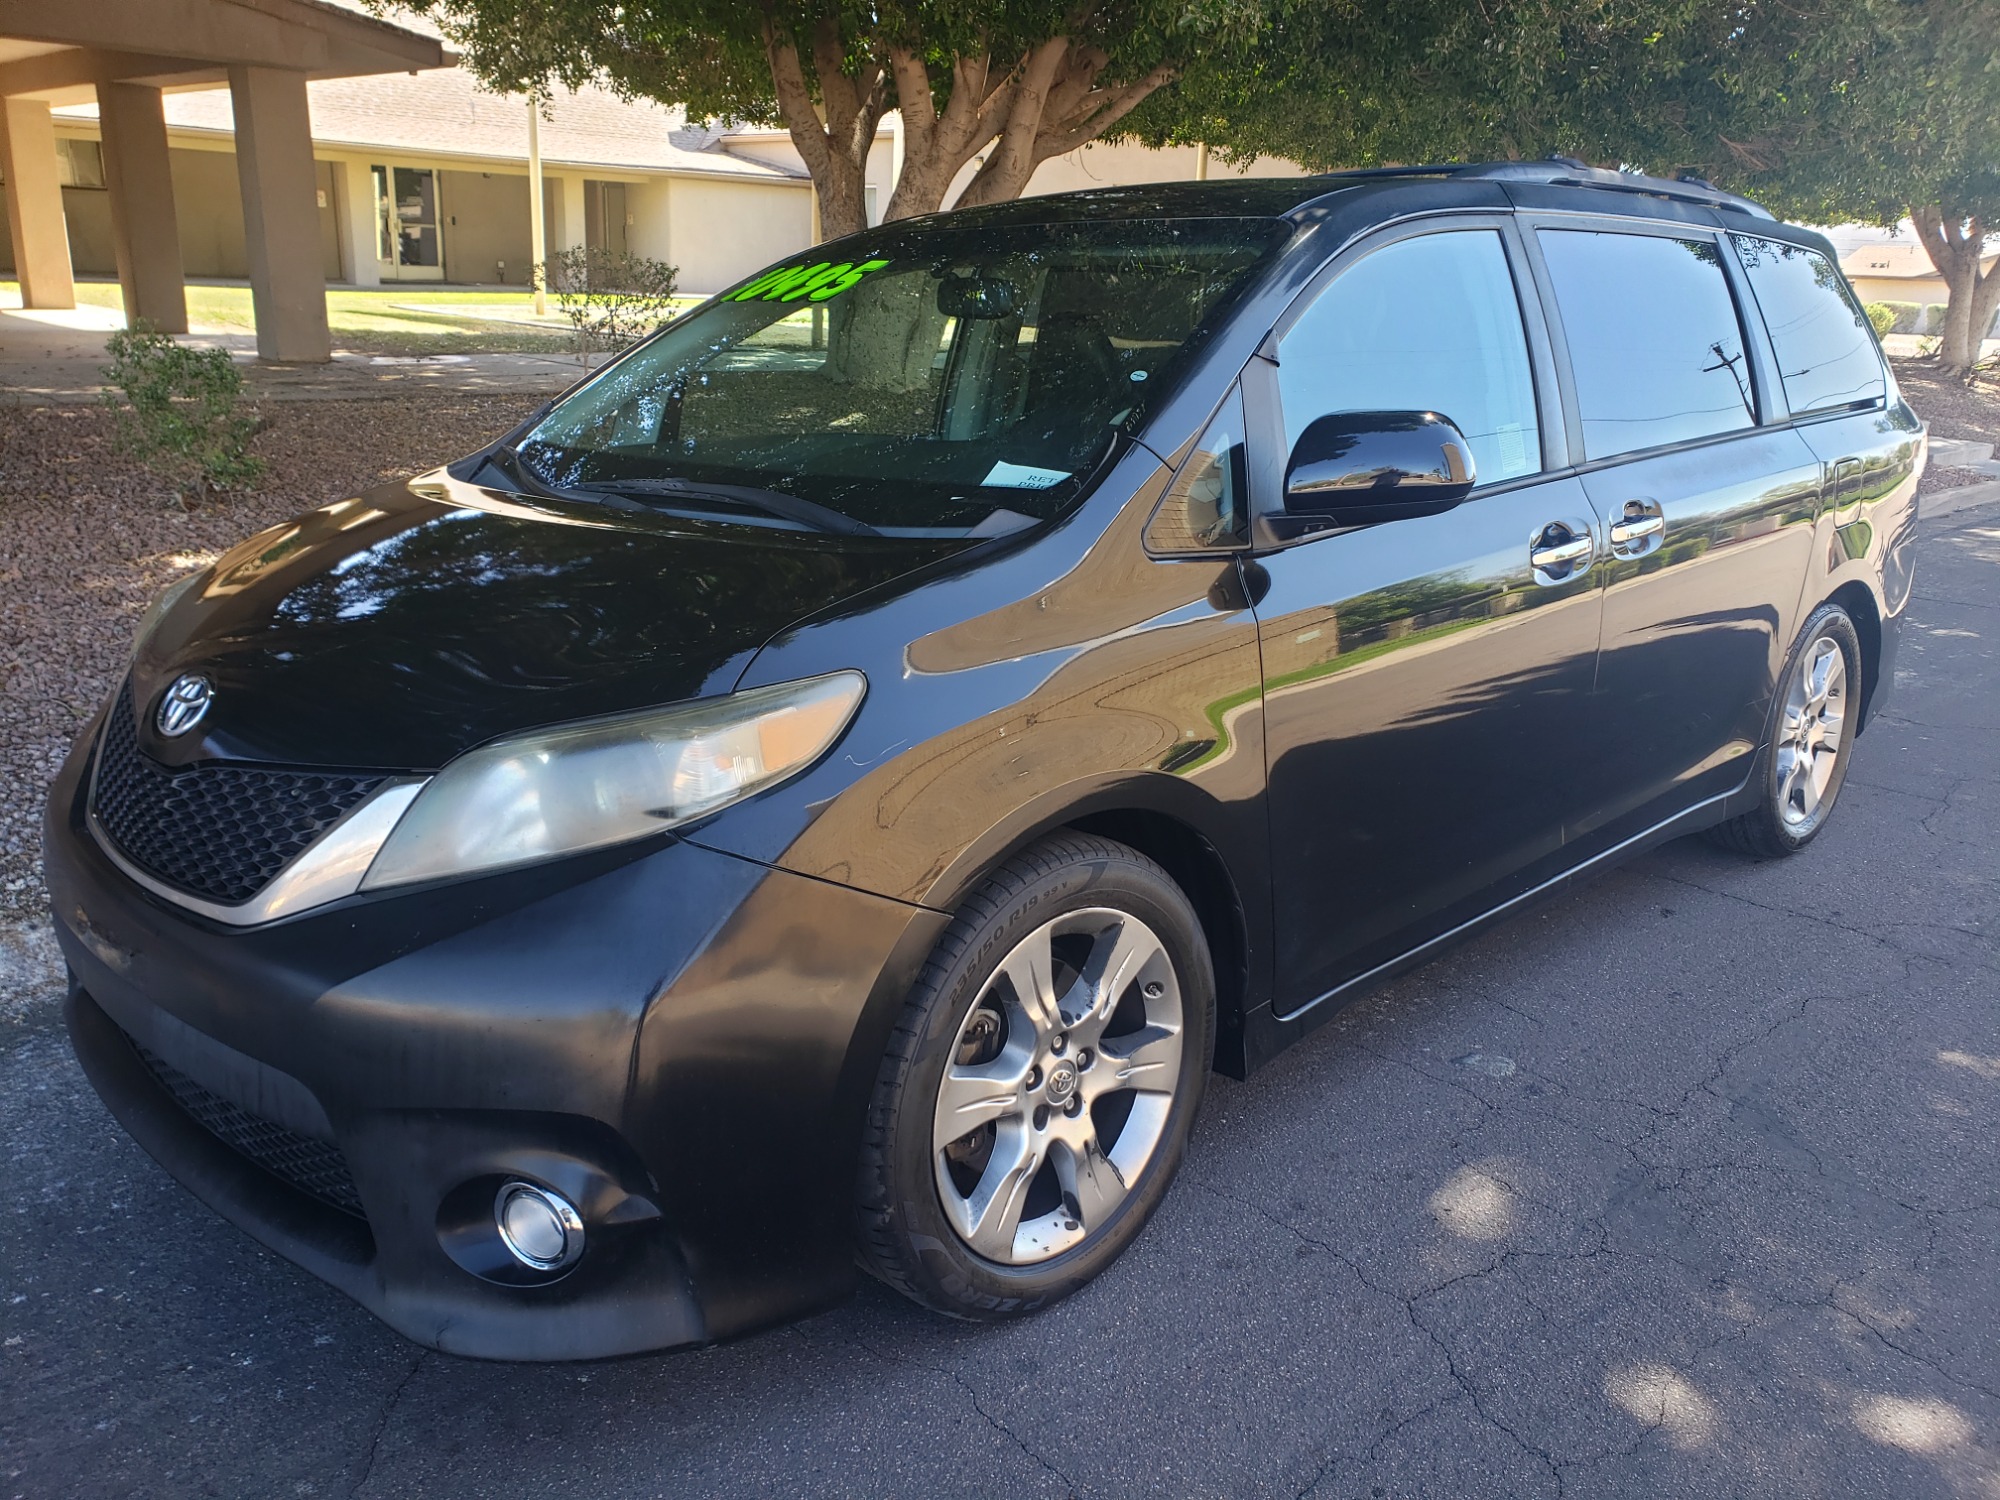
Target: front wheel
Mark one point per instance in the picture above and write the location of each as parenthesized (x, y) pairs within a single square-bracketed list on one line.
[(1038, 1091), (1811, 735)]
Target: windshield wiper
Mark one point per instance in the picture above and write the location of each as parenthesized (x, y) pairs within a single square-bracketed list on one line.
[(771, 502)]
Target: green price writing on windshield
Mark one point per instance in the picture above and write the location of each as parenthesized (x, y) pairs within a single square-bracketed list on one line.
[(815, 283)]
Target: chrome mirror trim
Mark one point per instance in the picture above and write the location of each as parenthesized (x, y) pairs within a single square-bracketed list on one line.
[(330, 869)]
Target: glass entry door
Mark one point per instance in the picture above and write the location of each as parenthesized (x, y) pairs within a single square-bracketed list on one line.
[(408, 246)]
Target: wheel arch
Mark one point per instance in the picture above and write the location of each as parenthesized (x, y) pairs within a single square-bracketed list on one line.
[(1182, 831), (1858, 600)]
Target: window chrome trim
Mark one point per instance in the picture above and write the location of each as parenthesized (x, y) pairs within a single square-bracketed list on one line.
[(331, 868)]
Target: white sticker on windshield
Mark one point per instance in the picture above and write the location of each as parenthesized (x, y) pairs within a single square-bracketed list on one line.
[(1004, 475)]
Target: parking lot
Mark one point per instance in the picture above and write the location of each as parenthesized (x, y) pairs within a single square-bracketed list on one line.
[(1683, 1184)]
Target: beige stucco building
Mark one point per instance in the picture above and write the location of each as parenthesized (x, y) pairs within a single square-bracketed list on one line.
[(122, 60), (425, 178)]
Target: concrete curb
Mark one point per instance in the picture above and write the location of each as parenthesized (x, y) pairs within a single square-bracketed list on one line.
[(1942, 504)]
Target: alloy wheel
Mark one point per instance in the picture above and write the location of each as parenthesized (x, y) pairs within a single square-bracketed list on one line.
[(1811, 732), (1059, 1088)]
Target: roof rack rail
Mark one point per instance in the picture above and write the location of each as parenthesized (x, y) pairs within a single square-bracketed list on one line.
[(1567, 171)]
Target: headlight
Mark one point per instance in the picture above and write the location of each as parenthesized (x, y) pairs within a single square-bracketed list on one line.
[(587, 785)]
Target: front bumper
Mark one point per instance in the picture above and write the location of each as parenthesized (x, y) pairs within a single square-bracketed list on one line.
[(680, 1040)]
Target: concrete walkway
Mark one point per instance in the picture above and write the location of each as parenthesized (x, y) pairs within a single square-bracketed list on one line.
[(48, 358)]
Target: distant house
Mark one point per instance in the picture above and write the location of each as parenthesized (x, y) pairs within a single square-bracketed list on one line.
[(1891, 266)]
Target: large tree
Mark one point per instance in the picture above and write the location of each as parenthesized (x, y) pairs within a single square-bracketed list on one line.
[(1828, 110), (1017, 80), (1870, 110)]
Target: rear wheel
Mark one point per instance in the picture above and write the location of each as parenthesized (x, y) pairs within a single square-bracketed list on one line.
[(1038, 1092), (1811, 735)]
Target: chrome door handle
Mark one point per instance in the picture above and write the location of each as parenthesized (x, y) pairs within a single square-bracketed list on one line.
[(1624, 533), (1637, 531), (1560, 554)]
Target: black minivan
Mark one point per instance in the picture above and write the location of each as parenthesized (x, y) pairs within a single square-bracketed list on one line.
[(827, 790)]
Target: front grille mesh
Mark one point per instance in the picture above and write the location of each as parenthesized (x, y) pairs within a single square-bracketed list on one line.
[(314, 1167), (221, 832)]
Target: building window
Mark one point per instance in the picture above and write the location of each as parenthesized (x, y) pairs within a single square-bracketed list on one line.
[(79, 164)]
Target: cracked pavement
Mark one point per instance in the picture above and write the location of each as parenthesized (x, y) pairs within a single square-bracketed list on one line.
[(1681, 1184)]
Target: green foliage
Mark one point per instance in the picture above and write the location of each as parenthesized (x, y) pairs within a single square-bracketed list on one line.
[(1828, 110), (181, 414), (1882, 316), (612, 298), (1908, 316), (710, 55), (1933, 318)]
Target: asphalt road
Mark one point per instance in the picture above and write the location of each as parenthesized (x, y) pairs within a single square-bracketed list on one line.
[(1684, 1185)]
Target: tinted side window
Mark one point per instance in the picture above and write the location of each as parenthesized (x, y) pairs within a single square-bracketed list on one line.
[(1426, 324), (1653, 339), (1826, 350)]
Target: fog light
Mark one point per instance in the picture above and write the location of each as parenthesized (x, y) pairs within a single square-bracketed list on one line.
[(540, 1229)]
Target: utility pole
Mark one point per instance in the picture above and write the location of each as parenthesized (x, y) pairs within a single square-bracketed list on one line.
[(1201, 162), (538, 238)]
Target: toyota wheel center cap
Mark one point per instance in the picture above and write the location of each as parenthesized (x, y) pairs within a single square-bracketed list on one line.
[(1062, 1083)]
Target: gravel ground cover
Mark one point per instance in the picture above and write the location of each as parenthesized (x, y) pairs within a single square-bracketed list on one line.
[(1953, 408), (88, 537), (1937, 478)]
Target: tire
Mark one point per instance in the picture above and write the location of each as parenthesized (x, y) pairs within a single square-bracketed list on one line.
[(1819, 699), (1076, 1089)]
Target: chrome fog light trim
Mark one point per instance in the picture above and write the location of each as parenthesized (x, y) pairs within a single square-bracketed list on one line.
[(541, 1229)]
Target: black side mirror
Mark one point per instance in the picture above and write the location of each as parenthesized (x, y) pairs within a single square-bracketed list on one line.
[(1358, 467)]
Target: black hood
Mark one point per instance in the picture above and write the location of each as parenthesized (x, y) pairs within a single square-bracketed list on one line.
[(395, 630)]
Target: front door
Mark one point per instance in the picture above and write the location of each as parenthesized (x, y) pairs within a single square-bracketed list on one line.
[(409, 244), (1425, 680)]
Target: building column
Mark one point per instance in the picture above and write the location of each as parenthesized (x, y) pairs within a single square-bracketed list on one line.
[(360, 231), (34, 204), (573, 233), (274, 166), (144, 230)]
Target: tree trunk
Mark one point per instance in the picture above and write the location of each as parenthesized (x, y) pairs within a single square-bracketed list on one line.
[(1047, 103), (936, 145), (1058, 106), (835, 136), (1954, 244)]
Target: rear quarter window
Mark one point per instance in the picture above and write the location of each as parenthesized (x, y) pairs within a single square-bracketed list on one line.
[(1654, 343), (1826, 350)]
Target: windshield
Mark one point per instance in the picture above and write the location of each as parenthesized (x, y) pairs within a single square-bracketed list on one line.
[(923, 381)]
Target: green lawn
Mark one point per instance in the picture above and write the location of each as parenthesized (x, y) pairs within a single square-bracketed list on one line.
[(377, 321)]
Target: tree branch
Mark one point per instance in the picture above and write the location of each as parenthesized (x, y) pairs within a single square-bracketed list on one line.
[(1012, 161), (1100, 110), (795, 103)]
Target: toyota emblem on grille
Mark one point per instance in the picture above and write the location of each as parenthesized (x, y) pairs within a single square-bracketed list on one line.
[(184, 705)]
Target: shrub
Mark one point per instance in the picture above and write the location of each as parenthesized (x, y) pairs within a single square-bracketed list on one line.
[(1883, 316), (1933, 317), (1908, 315), (612, 298), (181, 411)]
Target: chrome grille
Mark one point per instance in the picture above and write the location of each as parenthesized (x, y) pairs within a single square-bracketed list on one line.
[(218, 831)]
